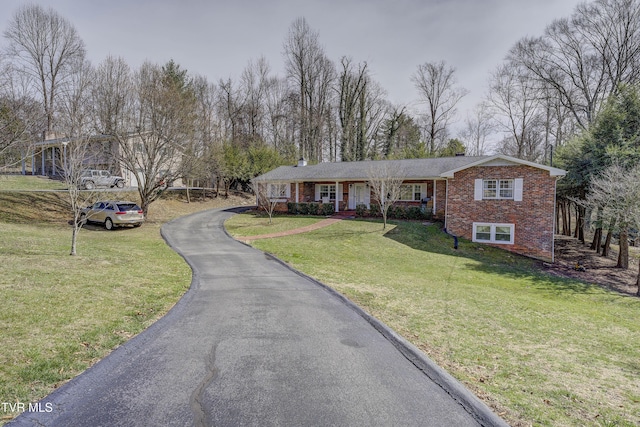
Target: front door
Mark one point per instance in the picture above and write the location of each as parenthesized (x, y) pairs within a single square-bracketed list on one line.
[(358, 196)]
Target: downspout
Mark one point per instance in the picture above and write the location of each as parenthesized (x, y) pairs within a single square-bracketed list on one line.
[(455, 238)]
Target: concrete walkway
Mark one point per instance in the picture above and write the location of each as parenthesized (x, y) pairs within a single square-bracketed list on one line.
[(254, 343)]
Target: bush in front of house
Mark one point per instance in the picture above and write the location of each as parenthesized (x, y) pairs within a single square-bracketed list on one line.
[(313, 208), (415, 213), (361, 210), (374, 210), (327, 209)]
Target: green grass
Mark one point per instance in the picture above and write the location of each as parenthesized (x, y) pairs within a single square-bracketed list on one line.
[(255, 224), (29, 183), (60, 314), (540, 350)]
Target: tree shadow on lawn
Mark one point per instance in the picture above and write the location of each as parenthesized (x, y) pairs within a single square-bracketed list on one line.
[(27, 207), (487, 259)]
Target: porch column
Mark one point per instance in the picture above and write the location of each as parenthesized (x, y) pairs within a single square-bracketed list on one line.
[(338, 196), (434, 197), (64, 157), (297, 192), (43, 154)]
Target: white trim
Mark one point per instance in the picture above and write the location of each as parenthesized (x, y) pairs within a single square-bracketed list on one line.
[(498, 189), (478, 189), (493, 233), (277, 186), (413, 192), (518, 189), (490, 161), (434, 199)]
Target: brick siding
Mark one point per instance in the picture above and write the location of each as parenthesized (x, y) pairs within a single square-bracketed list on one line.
[(533, 216)]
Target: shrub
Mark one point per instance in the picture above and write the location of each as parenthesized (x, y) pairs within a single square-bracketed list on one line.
[(327, 209), (374, 210), (414, 212), (312, 208), (361, 210), (292, 208), (303, 208), (397, 212)]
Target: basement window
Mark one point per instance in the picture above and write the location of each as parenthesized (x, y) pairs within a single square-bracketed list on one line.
[(493, 233)]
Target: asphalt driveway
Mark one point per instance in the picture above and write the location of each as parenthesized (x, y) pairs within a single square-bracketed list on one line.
[(254, 343)]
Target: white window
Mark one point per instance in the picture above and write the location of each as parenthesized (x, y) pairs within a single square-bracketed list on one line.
[(411, 192), (328, 191), (278, 191), (493, 233), (499, 189)]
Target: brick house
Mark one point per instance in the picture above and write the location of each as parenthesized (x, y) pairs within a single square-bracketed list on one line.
[(497, 200)]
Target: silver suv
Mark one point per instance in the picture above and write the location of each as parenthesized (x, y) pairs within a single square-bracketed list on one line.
[(92, 178), (113, 213)]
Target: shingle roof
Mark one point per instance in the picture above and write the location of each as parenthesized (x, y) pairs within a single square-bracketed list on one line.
[(431, 168)]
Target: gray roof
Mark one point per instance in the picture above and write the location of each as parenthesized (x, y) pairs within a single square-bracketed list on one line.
[(410, 169)]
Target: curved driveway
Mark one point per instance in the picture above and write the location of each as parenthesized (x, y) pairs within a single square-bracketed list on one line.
[(254, 343)]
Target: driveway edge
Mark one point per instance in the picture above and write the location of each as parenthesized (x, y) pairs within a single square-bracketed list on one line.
[(469, 401)]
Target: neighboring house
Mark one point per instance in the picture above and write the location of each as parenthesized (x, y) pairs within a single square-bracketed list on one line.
[(498, 200), (50, 155)]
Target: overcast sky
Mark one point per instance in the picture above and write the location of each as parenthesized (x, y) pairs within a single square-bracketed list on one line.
[(216, 38)]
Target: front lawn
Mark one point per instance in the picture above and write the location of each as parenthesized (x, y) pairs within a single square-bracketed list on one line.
[(29, 183), (60, 314), (540, 350)]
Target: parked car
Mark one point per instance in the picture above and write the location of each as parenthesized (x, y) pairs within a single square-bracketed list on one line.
[(92, 178), (113, 214)]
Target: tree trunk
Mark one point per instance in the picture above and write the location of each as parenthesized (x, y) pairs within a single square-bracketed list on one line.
[(638, 280), (188, 197), (623, 254), (607, 244), (567, 218), (596, 244), (74, 238), (580, 223)]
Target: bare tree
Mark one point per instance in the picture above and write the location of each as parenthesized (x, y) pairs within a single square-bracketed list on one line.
[(385, 179), (75, 122), (585, 57), (313, 74), (44, 46), (255, 83), (400, 135), (615, 195), (351, 91), (516, 106), (479, 125), (436, 85), (268, 196), (361, 111), (111, 93), (153, 128), (21, 118)]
